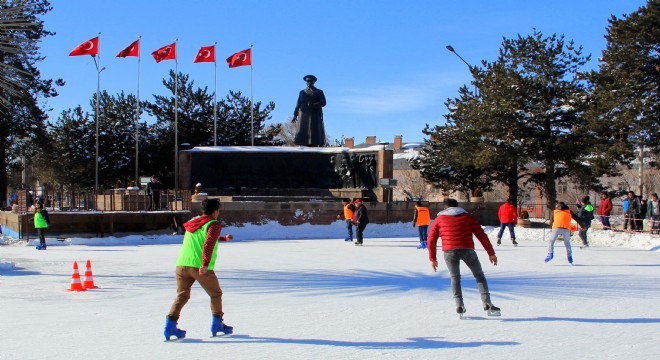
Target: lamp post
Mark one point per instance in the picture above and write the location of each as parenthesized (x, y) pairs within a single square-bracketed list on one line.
[(451, 48)]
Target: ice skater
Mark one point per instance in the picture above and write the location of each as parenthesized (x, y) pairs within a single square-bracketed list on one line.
[(41, 222), (347, 214), (196, 263), (455, 227), (561, 226), (422, 219)]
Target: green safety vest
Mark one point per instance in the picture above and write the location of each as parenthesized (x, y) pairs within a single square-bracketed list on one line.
[(39, 221), (193, 247)]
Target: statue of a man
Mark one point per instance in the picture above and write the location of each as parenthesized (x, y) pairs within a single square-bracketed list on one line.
[(309, 112)]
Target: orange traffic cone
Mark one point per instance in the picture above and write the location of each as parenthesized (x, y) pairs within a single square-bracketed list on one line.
[(75, 279), (89, 280)]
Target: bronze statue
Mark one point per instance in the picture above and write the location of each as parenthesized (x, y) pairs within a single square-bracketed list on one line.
[(309, 112)]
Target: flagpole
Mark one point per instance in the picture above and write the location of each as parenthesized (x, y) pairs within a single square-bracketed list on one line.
[(98, 99), (215, 93), (176, 120), (251, 99), (137, 118)]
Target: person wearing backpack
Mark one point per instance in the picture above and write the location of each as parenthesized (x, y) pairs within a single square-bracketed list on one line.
[(586, 214)]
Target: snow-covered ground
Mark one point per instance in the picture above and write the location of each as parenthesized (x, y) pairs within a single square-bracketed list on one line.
[(300, 292)]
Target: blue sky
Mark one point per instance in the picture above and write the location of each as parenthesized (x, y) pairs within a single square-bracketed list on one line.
[(382, 64)]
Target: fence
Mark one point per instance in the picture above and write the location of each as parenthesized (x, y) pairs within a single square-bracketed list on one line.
[(106, 200)]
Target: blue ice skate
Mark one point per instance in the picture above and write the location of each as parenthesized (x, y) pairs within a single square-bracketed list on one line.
[(41, 247), (348, 239), (172, 330), (570, 259), (218, 326), (549, 257), (422, 245)]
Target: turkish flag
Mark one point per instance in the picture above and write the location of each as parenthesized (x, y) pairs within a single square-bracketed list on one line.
[(205, 54), (131, 50), (241, 58), (89, 47), (165, 53)]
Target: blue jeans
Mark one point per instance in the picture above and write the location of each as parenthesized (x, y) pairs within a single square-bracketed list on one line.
[(423, 232), (605, 220), (349, 226), (511, 232), (583, 235), (469, 256), (566, 234)]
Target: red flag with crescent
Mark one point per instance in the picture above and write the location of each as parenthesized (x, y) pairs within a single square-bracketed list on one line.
[(205, 54), (165, 53), (241, 58), (131, 50), (89, 47)]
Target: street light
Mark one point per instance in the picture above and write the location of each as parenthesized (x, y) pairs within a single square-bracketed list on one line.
[(451, 48)]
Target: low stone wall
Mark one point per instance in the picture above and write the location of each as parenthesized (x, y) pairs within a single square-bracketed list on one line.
[(99, 224)]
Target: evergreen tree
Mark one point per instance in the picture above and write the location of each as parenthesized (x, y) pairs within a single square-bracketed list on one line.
[(70, 159), (21, 85), (530, 103), (195, 122), (627, 85)]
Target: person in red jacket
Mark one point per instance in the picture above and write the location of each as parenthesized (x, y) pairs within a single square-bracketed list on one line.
[(455, 227), (604, 210), (508, 219)]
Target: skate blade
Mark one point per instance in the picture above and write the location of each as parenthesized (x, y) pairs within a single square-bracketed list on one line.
[(493, 313)]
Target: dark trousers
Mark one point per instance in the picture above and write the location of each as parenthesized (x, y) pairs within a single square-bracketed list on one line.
[(655, 225), (469, 257), (605, 220), (583, 235), (359, 230), (423, 232), (511, 232), (154, 201), (349, 226), (42, 236)]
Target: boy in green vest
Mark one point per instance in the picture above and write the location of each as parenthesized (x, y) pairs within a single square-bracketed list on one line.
[(196, 263), (41, 222)]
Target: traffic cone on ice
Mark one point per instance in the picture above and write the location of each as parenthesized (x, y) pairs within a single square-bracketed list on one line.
[(89, 279), (75, 279)]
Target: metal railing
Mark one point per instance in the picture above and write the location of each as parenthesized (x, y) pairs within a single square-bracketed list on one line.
[(106, 200)]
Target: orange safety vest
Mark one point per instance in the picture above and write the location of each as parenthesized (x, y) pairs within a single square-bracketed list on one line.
[(348, 213), (423, 216), (562, 219)]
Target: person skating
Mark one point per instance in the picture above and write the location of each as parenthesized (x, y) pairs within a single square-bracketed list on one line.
[(508, 215), (456, 227), (347, 214), (422, 219), (561, 225), (586, 214), (41, 222), (196, 262), (361, 221)]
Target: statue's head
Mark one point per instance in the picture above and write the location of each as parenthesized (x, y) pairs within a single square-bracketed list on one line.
[(310, 79)]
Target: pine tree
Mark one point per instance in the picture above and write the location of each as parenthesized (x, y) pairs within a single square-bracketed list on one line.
[(530, 104), (70, 159), (195, 122), (627, 86), (21, 86)]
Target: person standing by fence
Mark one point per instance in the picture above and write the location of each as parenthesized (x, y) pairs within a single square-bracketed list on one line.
[(586, 214), (604, 210), (654, 213)]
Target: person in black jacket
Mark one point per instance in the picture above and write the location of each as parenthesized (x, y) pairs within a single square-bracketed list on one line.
[(361, 220), (153, 192)]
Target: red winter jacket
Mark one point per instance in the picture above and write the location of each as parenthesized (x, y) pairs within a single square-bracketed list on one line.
[(508, 213), (605, 207), (455, 227)]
